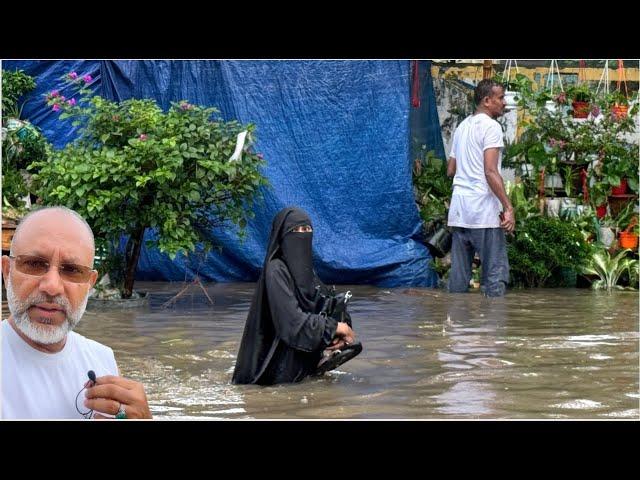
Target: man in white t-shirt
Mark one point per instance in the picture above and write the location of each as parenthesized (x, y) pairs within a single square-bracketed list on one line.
[(45, 365), (480, 211)]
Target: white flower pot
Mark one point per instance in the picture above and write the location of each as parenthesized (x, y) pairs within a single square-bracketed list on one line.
[(550, 105), (607, 236), (510, 98), (526, 169), (552, 206), (553, 180)]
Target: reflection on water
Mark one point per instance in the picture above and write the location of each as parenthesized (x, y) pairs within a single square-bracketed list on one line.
[(427, 354)]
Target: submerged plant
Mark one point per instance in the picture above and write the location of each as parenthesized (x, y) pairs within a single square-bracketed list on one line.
[(609, 269)]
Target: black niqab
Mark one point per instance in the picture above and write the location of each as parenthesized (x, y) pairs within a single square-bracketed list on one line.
[(297, 253)]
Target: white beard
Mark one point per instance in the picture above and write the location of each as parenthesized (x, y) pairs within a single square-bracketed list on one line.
[(36, 332)]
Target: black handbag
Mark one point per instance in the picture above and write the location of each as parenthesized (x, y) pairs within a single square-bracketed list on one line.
[(334, 305)]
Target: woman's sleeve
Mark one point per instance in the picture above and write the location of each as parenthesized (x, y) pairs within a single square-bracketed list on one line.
[(299, 330)]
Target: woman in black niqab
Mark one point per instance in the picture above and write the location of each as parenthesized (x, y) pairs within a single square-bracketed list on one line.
[(285, 335)]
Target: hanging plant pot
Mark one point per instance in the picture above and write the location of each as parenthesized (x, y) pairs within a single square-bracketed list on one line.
[(628, 240), (510, 98), (601, 211), (620, 111), (550, 105), (620, 189), (581, 109)]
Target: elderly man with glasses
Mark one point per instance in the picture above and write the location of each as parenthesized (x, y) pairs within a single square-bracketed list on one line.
[(49, 371)]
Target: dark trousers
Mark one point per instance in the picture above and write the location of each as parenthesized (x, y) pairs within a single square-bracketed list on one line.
[(491, 246)]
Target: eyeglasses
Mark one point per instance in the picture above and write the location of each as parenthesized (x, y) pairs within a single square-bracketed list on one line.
[(38, 266)]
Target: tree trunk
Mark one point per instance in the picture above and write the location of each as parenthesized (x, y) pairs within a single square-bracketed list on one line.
[(132, 253)]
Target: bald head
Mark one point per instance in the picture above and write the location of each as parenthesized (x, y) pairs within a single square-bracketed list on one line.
[(53, 222)]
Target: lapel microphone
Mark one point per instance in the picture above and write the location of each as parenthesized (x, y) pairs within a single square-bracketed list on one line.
[(92, 376)]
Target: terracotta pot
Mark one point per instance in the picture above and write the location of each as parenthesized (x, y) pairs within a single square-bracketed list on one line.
[(581, 109), (620, 111), (628, 240)]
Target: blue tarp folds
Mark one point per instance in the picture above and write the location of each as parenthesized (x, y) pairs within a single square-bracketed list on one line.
[(336, 138)]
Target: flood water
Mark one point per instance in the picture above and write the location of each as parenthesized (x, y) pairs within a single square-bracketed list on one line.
[(541, 354)]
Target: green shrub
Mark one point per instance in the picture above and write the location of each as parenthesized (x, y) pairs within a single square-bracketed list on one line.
[(541, 247)]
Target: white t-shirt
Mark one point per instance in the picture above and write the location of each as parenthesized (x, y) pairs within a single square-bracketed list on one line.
[(473, 203), (36, 384)]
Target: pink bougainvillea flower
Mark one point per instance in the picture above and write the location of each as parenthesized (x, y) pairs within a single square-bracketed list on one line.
[(142, 137), (73, 75), (71, 102), (87, 78), (561, 98), (56, 107), (54, 93)]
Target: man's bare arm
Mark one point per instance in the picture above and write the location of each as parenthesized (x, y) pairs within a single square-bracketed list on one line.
[(494, 179)]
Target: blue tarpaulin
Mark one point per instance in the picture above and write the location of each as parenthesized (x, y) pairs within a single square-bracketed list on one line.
[(336, 138)]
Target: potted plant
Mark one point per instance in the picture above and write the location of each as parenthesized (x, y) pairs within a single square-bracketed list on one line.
[(581, 97), (628, 227), (620, 166), (433, 190), (599, 193), (14, 86), (609, 269), (543, 246), (516, 90), (628, 238), (22, 144), (618, 104)]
